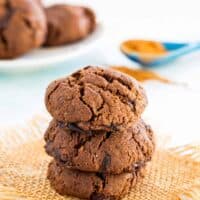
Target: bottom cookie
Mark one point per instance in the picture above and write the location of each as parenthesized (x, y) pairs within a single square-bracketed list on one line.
[(93, 186)]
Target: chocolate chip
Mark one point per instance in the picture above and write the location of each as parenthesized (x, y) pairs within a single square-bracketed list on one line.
[(75, 128), (106, 162), (108, 134), (102, 176)]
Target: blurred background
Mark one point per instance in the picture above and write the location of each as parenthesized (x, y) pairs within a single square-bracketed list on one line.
[(173, 109)]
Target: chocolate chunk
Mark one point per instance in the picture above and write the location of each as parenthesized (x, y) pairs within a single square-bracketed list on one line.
[(106, 162), (74, 127)]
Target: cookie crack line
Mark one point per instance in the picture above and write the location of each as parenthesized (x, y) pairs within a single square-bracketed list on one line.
[(125, 185), (82, 91), (4, 40), (88, 139), (120, 96), (110, 79), (74, 127), (139, 145), (81, 143), (52, 91), (103, 103), (113, 127), (77, 75), (102, 177), (105, 138)]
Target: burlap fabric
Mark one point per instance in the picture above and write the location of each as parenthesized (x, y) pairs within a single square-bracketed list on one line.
[(173, 174)]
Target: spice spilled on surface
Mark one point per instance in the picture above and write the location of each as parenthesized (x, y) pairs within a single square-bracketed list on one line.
[(141, 75)]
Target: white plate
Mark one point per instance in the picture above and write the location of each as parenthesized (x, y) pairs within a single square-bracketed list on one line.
[(47, 57)]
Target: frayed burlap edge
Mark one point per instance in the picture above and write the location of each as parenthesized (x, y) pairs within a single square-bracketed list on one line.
[(12, 138)]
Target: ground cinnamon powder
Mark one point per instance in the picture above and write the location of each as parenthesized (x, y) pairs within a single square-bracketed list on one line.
[(141, 75), (143, 46)]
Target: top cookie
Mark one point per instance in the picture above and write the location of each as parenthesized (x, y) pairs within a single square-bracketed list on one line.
[(22, 27), (94, 98)]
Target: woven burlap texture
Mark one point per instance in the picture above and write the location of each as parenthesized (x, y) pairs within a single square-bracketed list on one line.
[(173, 174)]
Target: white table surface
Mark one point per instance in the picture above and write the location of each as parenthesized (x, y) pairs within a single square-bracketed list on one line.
[(172, 110)]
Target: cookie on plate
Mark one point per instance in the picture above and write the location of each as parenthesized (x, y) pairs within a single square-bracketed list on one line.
[(22, 27), (95, 98), (107, 152), (91, 185), (67, 24)]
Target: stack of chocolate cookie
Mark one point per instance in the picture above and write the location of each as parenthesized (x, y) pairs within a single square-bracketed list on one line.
[(98, 140)]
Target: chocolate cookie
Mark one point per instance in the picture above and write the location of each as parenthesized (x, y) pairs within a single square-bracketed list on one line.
[(22, 27), (94, 98), (105, 152), (68, 24), (92, 186)]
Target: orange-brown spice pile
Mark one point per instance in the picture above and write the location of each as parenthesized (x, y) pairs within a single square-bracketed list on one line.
[(143, 46)]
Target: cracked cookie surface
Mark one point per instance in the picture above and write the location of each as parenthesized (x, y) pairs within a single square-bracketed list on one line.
[(94, 98), (105, 152), (68, 24), (91, 185), (22, 27)]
